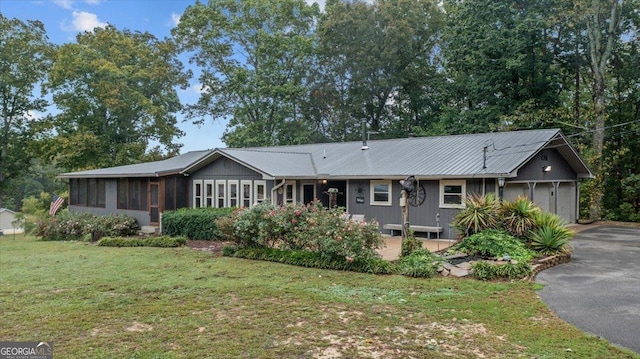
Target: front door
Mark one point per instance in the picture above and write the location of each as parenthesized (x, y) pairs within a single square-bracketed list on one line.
[(154, 203), (308, 193)]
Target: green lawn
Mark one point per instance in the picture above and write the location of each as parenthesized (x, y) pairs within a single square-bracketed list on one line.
[(100, 302)]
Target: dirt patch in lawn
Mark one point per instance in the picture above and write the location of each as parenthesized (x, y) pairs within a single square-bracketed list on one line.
[(208, 246)]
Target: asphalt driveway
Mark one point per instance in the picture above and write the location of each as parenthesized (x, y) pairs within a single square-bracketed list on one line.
[(599, 290)]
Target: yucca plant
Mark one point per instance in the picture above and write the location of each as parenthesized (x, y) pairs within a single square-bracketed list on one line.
[(480, 213), (519, 216), (549, 240)]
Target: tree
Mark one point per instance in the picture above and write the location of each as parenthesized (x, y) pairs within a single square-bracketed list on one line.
[(255, 56), (117, 92), (376, 63), (499, 59), (24, 61), (602, 18)]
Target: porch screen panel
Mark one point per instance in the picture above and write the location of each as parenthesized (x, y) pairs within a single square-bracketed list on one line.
[(73, 191), (122, 193), (101, 196), (182, 192), (169, 194)]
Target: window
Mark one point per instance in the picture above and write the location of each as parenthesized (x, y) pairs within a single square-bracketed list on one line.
[(132, 193), (380, 193), (197, 193), (260, 191), (289, 194), (88, 192), (208, 193), (233, 193), (452, 194), (246, 193), (221, 196)]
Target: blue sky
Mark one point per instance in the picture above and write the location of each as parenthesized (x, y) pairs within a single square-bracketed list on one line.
[(63, 19)]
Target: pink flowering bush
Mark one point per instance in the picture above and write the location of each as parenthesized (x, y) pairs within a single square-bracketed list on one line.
[(310, 228), (68, 226)]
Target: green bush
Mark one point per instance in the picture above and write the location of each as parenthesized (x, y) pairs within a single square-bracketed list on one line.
[(194, 223), (410, 244), (160, 241), (305, 258), (297, 227), (66, 226), (494, 243), (488, 271), (419, 263), (480, 213)]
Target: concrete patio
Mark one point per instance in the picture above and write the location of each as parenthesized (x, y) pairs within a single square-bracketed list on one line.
[(393, 246)]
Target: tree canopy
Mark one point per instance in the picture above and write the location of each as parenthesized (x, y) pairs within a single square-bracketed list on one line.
[(25, 58), (116, 91)]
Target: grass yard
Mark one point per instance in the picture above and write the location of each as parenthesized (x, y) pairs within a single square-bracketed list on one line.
[(101, 302)]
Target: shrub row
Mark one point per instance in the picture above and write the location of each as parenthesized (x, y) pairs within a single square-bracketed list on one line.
[(488, 271), (160, 241), (309, 228), (84, 226), (194, 223), (420, 263)]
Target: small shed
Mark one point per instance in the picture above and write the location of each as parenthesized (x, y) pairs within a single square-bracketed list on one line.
[(7, 217)]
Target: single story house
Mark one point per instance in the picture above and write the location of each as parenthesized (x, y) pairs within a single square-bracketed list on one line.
[(539, 164)]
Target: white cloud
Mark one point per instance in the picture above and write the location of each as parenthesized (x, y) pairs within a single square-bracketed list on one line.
[(175, 19), (319, 2), (86, 21), (92, 2), (199, 88), (67, 4)]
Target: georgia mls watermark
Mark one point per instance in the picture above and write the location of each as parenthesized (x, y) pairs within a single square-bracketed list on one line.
[(26, 350)]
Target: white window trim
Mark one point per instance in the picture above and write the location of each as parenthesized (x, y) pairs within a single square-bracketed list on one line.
[(242, 197), (257, 184), (463, 194), (224, 193), (195, 196), (372, 186), (293, 192), (229, 184), (206, 195)]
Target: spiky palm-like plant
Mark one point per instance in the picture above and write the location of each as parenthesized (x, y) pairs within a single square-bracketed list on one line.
[(550, 240), (480, 213), (519, 216)]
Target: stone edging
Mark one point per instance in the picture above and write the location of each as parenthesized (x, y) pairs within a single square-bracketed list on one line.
[(548, 262)]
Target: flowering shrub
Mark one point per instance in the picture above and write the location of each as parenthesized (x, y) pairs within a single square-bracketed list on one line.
[(297, 227), (68, 226)]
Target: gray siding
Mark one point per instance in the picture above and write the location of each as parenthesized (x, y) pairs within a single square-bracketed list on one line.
[(225, 168), (560, 169), (427, 214)]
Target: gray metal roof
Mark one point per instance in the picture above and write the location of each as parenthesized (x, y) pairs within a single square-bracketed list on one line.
[(433, 157), (425, 157), (147, 169)]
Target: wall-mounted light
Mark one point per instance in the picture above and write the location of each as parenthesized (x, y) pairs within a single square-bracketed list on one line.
[(324, 181), (546, 168), (500, 187)]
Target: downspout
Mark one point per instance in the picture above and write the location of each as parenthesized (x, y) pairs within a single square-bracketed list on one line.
[(275, 188)]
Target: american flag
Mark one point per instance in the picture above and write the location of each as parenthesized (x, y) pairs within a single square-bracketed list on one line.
[(56, 203)]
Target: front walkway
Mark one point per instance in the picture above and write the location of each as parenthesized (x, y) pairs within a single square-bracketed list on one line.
[(393, 246)]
